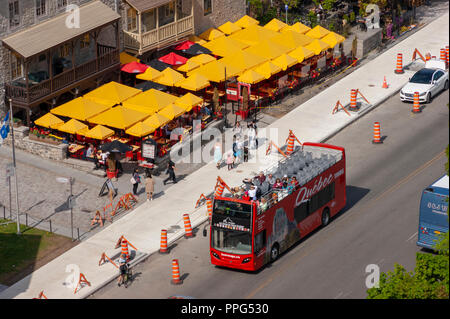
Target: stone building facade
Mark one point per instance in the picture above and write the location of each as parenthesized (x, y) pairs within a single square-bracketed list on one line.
[(19, 15)]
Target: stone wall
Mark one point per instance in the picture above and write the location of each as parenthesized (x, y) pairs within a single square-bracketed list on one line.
[(42, 149), (222, 11)]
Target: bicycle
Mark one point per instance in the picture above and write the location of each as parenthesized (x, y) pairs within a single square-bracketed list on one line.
[(127, 276)]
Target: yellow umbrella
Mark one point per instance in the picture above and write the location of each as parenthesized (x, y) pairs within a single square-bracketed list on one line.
[(188, 66), (301, 53), (119, 117), (229, 27), (99, 132), (243, 60), (157, 120), (267, 69), (172, 111), (284, 61), (149, 101), (169, 77), (202, 58), (333, 39), (72, 126), (297, 27), (225, 46), (211, 34), (246, 22), (253, 35), (317, 32), (251, 77), (112, 93), (196, 39), (140, 129), (215, 71), (49, 121), (149, 75), (80, 109), (188, 101), (275, 25), (127, 58), (292, 39), (194, 82), (317, 46), (269, 49)]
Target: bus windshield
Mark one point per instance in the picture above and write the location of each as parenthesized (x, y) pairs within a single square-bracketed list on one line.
[(231, 241), (231, 227)]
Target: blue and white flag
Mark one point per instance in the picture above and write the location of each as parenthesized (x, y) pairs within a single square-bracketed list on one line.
[(4, 129)]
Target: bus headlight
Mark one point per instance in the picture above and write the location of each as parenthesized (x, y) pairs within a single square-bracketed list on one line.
[(246, 260), (215, 255)]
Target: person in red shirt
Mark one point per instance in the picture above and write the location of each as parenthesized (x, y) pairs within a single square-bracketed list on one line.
[(294, 182), (245, 196)]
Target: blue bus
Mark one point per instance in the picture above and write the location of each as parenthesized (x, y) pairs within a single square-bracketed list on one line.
[(433, 218)]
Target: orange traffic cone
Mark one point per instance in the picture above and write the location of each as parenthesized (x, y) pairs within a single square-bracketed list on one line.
[(176, 279), (163, 245), (385, 85), (416, 103), (376, 133), (187, 226)]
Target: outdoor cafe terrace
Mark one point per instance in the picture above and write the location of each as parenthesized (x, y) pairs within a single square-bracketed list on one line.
[(240, 62)]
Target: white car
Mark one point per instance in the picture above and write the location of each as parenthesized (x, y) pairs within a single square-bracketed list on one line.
[(429, 81)]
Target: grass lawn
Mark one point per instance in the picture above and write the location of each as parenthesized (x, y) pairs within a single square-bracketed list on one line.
[(22, 254)]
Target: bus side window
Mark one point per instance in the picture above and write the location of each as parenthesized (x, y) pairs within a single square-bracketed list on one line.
[(260, 241)]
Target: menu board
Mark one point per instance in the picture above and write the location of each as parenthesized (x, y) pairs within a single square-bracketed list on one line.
[(149, 149)]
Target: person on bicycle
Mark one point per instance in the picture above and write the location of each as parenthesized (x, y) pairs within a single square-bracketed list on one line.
[(122, 269)]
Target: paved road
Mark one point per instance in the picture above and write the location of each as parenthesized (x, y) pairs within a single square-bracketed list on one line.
[(378, 226)]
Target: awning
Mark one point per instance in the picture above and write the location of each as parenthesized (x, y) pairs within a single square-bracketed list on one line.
[(111, 93), (243, 60), (157, 120), (172, 111), (246, 21), (140, 129), (297, 27), (317, 46), (72, 126), (251, 77), (194, 82), (119, 117), (332, 39), (188, 101), (54, 31), (169, 77), (99, 132), (49, 121), (285, 61), (317, 32), (211, 34), (80, 109), (144, 5), (301, 53), (267, 69), (149, 75), (275, 25), (150, 101), (229, 28), (269, 49)]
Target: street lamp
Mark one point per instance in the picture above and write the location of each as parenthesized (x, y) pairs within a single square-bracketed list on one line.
[(70, 180)]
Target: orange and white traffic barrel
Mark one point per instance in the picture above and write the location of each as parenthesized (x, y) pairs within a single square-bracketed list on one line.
[(416, 103), (399, 68), (443, 55), (376, 133), (187, 226), (353, 104), (124, 245), (290, 144), (163, 245), (447, 57), (209, 207), (220, 189), (176, 279)]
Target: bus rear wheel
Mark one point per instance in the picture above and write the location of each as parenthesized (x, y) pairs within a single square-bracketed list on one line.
[(325, 217), (274, 253)]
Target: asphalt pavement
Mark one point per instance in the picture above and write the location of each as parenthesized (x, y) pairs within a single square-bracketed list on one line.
[(378, 225)]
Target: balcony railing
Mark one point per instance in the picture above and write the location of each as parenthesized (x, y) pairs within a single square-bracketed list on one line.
[(153, 38), (107, 56)]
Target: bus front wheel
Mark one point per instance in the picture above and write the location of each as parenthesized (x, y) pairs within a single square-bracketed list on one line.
[(274, 252)]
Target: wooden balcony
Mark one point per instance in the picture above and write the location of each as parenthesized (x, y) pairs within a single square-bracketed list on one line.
[(160, 36), (108, 57)]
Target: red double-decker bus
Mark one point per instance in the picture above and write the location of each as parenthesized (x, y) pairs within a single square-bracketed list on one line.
[(248, 234)]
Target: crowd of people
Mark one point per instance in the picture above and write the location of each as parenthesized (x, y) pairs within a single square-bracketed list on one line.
[(252, 189)]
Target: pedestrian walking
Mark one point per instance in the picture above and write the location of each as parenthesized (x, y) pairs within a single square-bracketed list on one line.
[(251, 137), (239, 150), (135, 180), (171, 171), (218, 153), (230, 161), (149, 185), (237, 129)]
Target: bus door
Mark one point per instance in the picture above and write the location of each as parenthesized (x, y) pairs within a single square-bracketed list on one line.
[(259, 238)]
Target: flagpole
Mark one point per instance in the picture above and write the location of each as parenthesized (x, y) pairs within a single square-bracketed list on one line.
[(14, 162)]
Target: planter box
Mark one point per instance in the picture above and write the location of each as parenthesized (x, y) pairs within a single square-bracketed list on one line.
[(43, 139)]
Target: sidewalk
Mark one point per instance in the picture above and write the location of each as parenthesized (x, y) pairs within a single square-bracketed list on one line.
[(312, 121)]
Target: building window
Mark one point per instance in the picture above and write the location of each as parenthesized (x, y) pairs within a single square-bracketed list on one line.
[(65, 49), (207, 7), (14, 18), (169, 10), (85, 41), (16, 66), (62, 3), (41, 8), (131, 20)]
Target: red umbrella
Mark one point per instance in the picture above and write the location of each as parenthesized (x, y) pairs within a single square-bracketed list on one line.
[(134, 67), (184, 45), (173, 59)]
